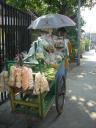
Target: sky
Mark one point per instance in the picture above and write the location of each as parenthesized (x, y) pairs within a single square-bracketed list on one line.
[(90, 18)]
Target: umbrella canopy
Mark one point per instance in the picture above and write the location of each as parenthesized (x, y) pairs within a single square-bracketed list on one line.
[(51, 21)]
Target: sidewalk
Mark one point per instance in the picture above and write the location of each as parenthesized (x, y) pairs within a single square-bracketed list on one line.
[(80, 104)]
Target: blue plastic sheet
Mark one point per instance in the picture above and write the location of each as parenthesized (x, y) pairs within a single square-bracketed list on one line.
[(61, 72)]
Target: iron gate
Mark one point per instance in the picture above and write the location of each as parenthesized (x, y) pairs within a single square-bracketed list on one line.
[(14, 35)]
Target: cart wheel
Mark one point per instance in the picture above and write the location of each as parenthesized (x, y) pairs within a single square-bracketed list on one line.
[(60, 94)]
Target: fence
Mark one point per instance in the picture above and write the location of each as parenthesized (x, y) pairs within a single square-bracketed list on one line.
[(14, 35)]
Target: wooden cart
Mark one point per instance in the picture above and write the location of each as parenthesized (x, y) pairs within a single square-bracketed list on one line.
[(39, 105)]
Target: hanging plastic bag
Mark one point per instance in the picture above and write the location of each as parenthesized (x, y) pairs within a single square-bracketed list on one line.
[(41, 84), (25, 78), (18, 77), (39, 53), (30, 74), (12, 77)]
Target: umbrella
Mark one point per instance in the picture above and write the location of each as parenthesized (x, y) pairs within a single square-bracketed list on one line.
[(51, 21)]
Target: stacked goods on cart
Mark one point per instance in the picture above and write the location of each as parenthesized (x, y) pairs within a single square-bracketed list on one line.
[(39, 96), (22, 77), (46, 48)]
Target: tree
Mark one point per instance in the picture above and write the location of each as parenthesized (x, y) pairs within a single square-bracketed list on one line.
[(66, 7), (41, 7)]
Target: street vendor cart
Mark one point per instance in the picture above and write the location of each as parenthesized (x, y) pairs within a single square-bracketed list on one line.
[(41, 103), (54, 75)]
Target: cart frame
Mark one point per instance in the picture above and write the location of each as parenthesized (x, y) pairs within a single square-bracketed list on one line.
[(41, 103)]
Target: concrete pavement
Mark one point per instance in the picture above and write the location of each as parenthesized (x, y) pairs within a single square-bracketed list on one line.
[(80, 104)]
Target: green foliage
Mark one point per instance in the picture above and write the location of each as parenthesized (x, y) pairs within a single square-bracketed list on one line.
[(72, 36), (84, 44), (41, 7)]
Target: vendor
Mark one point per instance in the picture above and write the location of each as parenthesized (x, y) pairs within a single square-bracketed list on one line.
[(67, 48)]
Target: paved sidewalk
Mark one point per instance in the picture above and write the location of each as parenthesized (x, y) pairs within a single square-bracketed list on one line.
[(80, 105)]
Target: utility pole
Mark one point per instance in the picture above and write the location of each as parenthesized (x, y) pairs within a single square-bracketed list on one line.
[(79, 30)]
